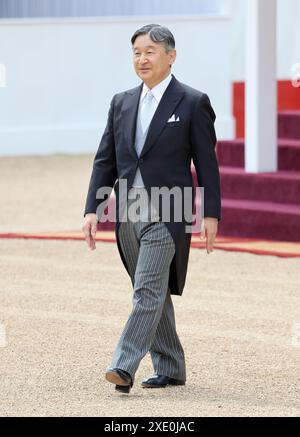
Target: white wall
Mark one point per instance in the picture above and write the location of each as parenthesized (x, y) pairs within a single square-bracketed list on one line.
[(61, 75), (288, 37), (92, 8)]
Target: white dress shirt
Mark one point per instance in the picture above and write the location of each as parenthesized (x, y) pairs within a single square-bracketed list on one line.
[(158, 90)]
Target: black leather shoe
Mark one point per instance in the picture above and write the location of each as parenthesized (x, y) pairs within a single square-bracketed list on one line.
[(160, 381), (121, 378)]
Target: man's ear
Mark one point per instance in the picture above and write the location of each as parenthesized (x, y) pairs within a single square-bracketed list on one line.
[(173, 58)]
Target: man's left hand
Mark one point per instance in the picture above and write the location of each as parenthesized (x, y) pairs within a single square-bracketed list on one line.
[(209, 231)]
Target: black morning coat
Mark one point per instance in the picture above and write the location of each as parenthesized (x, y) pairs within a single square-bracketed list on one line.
[(165, 160)]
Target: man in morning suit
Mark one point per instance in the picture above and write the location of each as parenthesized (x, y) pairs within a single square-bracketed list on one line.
[(153, 133)]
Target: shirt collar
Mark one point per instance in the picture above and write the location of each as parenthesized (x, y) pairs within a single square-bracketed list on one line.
[(158, 90)]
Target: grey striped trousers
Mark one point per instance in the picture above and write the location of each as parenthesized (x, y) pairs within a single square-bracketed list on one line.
[(149, 248)]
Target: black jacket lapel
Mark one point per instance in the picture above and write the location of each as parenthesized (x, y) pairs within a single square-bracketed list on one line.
[(171, 98), (129, 116), (165, 109)]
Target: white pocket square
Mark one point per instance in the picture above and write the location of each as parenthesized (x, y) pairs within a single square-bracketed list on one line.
[(173, 119)]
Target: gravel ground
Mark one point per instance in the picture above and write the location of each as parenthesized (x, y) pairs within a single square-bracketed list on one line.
[(62, 308)]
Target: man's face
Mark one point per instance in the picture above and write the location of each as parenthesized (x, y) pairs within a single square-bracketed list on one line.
[(151, 62)]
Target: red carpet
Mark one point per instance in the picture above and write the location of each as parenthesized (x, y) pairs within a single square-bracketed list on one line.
[(258, 247), (231, 153), (264, 205), (289, 124)]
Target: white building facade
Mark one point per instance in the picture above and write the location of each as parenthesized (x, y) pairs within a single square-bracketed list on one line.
[(60, 71)]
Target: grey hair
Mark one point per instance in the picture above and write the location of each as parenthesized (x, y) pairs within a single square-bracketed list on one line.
[(158, 34)]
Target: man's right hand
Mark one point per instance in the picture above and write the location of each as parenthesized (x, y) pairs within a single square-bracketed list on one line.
[(89, 229)]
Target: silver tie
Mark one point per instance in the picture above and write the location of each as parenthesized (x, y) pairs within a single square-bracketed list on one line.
[(147, 111)]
